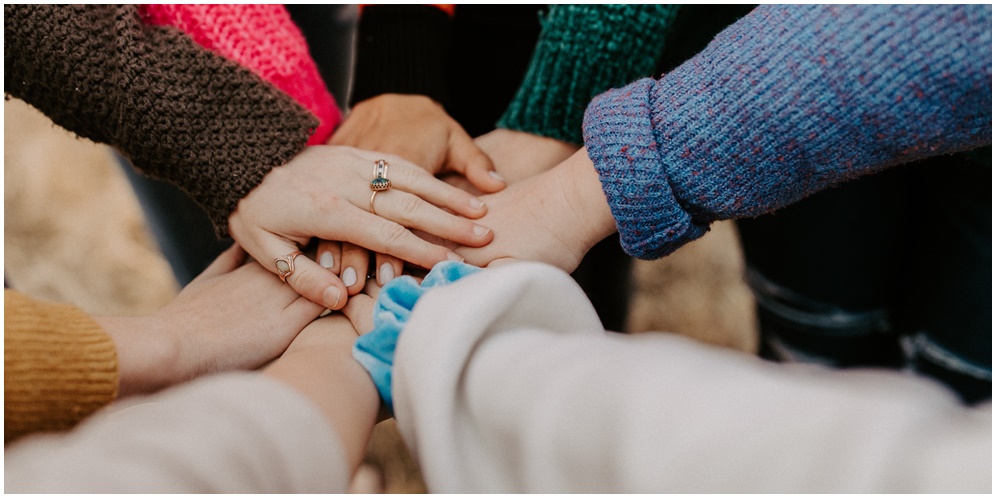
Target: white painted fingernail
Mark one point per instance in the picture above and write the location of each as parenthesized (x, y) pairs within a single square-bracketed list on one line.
[(386, 273), (327, 261), (496, 176), (476, 203), (454, 257), (480, 230), (349, 277), (331, 296)]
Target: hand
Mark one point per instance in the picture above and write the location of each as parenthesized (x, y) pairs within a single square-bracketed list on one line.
[(324, 192), (232, 316), (418, 129), (554, 217), (518, 155)]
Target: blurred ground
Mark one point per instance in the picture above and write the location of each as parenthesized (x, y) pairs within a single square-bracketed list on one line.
[(74, 233)]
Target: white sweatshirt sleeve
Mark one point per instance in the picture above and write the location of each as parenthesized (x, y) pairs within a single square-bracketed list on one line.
[(506, 382), (227, 433)]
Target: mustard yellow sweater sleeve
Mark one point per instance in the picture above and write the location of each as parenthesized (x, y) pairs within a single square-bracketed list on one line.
[(59, 366)]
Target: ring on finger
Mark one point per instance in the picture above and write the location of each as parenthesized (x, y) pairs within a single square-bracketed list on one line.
[(380, 180), (285, 265), (372, 196)]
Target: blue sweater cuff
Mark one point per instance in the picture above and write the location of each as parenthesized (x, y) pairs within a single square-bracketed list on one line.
[(622, 143), (375, 350)]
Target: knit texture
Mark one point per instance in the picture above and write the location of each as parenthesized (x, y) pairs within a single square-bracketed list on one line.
[(788, 101), (176, 110), (263, 39), (59, 366), (375, 350), (402, 49), (584, 50)]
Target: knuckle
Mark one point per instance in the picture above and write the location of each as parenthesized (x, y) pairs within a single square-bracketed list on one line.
[(411, 206), (393, 233), (303, 281), (408, 176)]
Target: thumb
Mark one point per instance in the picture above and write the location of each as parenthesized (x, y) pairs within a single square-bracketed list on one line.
[(466, 158), (227, 261)]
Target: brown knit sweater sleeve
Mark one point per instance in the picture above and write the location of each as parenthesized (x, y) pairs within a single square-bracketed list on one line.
[(178, 111), (59, 366)]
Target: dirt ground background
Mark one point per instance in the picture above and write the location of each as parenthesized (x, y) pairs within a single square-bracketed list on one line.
[(74, 233)]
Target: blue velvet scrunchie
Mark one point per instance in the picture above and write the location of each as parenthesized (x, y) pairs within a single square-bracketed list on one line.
[(375, 351)]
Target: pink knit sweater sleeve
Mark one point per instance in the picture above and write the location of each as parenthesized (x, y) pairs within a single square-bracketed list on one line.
[(263, 39)]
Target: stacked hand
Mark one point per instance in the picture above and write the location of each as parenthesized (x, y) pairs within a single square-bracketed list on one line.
[(325, 193), (554, 217), (550, 214), (232, 316), (415, 128)]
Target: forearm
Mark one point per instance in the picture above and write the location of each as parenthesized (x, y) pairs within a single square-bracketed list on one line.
[(763, 117), (230, 433), (538, 398), (148, 354), (179, 112), (328, 376), (584, 50)]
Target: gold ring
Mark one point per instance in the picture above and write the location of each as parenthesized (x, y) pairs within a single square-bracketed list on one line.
[(285, 265), (380, 180), (374, 194)]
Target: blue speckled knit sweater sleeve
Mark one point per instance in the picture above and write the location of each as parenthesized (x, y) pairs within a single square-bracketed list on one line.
[(788, 101)]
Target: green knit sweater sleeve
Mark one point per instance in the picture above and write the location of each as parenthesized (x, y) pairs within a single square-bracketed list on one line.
[(584, 50)]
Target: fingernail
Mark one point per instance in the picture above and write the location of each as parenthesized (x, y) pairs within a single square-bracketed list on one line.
[(454, 257), (496, 176), (331, 296), (327, 261), (349, 277), (386, 273), (476, 203), (480, 230)]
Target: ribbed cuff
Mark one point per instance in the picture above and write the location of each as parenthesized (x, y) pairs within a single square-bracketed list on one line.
[(619, 135), (582, 51), (59, 366), (401, 49)]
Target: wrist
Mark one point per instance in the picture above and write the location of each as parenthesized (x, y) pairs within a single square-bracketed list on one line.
[(148, 355), (582, 187)]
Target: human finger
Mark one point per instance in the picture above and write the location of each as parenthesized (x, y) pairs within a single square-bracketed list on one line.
[(411, 211), (228, 260), (407, 177), (329, 256), (385, 236), (359, 310), (466, 158), (355, 260), (387, 268), (307, 277)]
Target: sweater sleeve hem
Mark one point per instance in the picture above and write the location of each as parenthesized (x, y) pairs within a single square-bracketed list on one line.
[(401, 49), (620, 139), (59, 366), (584, 50)]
